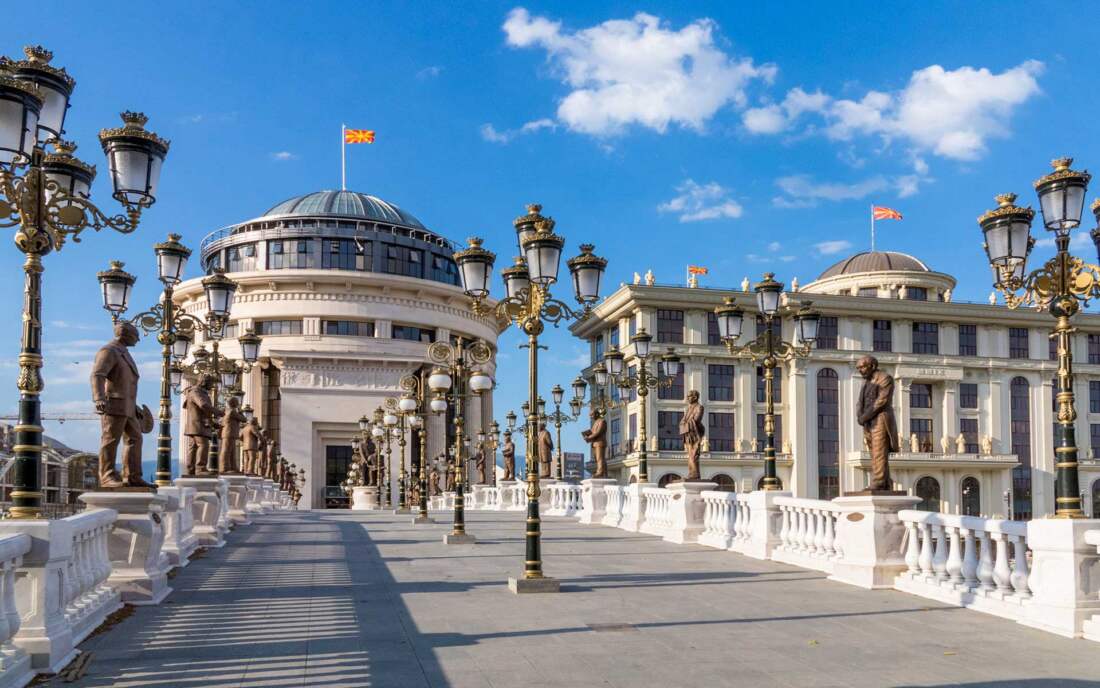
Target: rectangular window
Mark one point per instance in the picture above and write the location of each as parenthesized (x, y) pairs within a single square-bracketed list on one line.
[(616, 435), (670, 326), (1052, 349), (883, 336), (632, 325), (613, 337), (1094, 396), (926, 338), (761, 436), (777, 327), (777, 386), (867, 291), (1094, 438), (668, 431), (720, 382), (968, 340), (241, 258), (920, 395), (349, 328), (968, 395), (916, 294), (232, 330), (444, 270), (1018, 346), (402, 260), (968, 428), (713, 338), (922, 428), (598, 357), (632, 371), (345, 254), (720, 429), (675, 391), (827, 332), (1094, 348), (290, 254), (337, 461), (413, 334), (275, 327), (632, 423)]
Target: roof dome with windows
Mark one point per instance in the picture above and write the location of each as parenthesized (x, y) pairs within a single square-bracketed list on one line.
[(343, 204), (883, 274)]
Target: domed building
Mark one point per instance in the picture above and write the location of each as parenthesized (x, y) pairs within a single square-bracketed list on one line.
[(973, 389), (347, 291)]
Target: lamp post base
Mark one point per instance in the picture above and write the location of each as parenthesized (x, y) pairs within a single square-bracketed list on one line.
[(422, 520), (400, 512), (459, 539), (524, 586)]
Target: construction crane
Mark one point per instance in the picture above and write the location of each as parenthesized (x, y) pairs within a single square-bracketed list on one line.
[(59, 417)]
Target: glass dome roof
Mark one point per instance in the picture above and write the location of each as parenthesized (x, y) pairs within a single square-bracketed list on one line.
[(344, 204)]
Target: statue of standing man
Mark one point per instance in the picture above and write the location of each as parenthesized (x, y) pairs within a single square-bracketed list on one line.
[(597, 437), (691, 432), (508, 451), (231, 431), (200, 410), (546, 450), (114, 392), (250, 443), (875, 412)]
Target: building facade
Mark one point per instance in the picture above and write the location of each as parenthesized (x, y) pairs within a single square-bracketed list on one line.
[(347, 292), (973, 394)]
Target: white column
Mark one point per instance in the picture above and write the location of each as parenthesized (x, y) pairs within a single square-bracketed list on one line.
[(1042, 448), (801, 432)]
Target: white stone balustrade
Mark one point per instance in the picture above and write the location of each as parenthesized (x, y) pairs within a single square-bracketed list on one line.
[(205, 510), (134, 544), (658, 511), (1091, 629), (634, 507), (255, 496), (565, 499), (15, 663), (513, 496), (719, 519), (237, 486), (491, 498), (88, 596), (807, 536), (614, 500), (742, 516)]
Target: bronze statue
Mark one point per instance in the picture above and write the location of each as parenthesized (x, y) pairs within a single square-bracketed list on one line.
[(200, 410), (449, 480), (114, 392), (231, 431), (508, 451), (875, 412), (433, 481), (597, 437), (269, 459), (546, 450), (691, 432), (480, 459), (250, 442)]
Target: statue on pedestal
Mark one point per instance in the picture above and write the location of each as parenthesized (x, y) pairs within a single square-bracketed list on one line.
[(508, 451), (433, 481), (114, 392), (987, 444), (269, 459), (250, 443), (914, 443), (596, 435), (480, 460), (960, 444), (945, 444), (231, 430), (876, 415), (449, 479), (546, 450), (691, 432), (200, 411)]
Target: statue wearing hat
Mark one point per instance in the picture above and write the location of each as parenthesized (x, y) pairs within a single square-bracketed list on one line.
[(114, 392)]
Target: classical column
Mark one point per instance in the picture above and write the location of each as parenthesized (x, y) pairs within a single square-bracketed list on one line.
[(799, 429)]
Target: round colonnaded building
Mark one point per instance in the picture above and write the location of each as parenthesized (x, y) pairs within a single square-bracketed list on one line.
[(347, 291)]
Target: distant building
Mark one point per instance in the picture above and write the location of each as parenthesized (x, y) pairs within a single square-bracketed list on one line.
[(983, 372), (65, 473), (347, 291)]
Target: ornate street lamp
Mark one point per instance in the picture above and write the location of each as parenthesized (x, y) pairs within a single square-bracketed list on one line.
[(530, 308), (557, 395), (1060, 286)]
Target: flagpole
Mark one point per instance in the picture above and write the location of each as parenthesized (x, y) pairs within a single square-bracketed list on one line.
[(343, 160), (872, 228)]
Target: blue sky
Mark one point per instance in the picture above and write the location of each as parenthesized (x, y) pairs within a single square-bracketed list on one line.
[(741, 136)]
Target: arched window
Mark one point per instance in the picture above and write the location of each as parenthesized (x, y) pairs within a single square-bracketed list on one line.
[(1020, 416), (828, 434), (667, 479), (725, 483), (971, 497), (633, 479), (928, 489), (1095, 511)]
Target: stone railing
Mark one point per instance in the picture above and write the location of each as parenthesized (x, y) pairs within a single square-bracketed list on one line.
[(565, 499), (88, 598), (742, 516), (490, 499), (15, 663), (615, 498), (719, 519), (967, 561), (1092, 627), (658, 511), (513, 497), (807, 537)]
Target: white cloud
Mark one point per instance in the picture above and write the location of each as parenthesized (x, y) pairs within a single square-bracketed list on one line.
[(770, 258), (494, 135), (284, 155), (948, 113), (429, 72), (637, 71), (1080, 241), (828, 248), (67, 325), (697, 202), (801, 191)]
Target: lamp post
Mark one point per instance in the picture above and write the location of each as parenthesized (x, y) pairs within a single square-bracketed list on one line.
[(46, 194), (453, 373), (1059, 286), (557, 395), (416, 390), (769, 349), (391, 422), (642, 382), (529, 305)]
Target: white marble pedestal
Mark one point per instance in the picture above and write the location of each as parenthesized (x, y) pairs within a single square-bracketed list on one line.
[(238, 498), (634, 507), (224, 524), (364, 498), (544, 492), (1064, 580), (870, 534), (134, 546), (267, 501), (686, 511), (593, 500), (205, 510), (179, 536), (255, 495)]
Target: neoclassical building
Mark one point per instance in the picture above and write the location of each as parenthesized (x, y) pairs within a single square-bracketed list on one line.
[(982, 372), (347, 292)]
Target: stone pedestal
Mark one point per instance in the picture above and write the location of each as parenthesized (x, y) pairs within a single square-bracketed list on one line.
[(481, 497), (179, 526), (593, 499), (459, 539), (267, 498), (255, 495), (224, 524), (686, 511), (765, 523), (135, 542), (544, 492), (364, 498), (205, 510), (1065, 575), (634, 507), (238, 498), (870, 534), (524, 586)]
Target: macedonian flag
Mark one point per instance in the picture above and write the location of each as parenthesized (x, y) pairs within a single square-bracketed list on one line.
[(358, 136)]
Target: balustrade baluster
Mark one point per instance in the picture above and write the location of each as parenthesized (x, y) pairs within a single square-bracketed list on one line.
[(912, 547), (1020, 571), (985, 562), (926, 551), (939, 557), (970, 560), (1002, 575), (953, 566)]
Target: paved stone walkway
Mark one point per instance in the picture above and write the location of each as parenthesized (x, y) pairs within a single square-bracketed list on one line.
[(346, 599)]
